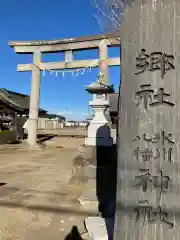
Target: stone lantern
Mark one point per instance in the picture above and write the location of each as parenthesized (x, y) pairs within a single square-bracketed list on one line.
[(99, 131)]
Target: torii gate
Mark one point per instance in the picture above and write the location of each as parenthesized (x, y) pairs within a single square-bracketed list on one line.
[(67, 46)]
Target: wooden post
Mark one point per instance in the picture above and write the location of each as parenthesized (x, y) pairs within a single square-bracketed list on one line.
[(34, 100), (148, 182), (103, 57)]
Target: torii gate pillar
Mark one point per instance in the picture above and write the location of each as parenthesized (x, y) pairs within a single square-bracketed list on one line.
[(34, 100)]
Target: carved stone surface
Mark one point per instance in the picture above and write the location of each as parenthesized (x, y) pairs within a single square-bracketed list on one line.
[(148, 188)]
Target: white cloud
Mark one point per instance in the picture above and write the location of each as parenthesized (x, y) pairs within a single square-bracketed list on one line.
[(65, 113), (73, 115)]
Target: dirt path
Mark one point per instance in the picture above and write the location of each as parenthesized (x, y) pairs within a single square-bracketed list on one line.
[(35, 202)]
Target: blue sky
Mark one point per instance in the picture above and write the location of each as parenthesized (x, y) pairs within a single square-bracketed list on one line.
[(42, 20)]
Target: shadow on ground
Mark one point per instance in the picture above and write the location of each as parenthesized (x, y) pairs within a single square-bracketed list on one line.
[(74, 234), (42, 137), (106, 178), (45, 137), (41, 208)]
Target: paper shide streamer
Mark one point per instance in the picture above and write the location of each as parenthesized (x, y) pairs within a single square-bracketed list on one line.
[(74, 72)]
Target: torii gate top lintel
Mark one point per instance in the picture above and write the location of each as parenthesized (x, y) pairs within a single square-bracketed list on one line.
[(83, 42)]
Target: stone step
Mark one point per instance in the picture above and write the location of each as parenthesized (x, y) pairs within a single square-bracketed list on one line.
[(96, 228)]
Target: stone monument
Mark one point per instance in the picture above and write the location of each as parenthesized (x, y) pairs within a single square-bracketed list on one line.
[(98, 130), (148, 179)]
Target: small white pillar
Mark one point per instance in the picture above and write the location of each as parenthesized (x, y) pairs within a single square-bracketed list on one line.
[(34, 100), (98, 131)]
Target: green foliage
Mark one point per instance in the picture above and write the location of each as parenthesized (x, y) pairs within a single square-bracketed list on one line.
[(4, 131)]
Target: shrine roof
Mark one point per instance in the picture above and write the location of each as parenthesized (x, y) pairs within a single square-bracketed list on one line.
[(18, 101)]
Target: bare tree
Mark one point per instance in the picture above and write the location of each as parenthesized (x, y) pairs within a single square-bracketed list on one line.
[(109, 13)]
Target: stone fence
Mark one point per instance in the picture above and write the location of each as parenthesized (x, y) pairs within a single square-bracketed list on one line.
[(48, 124)]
